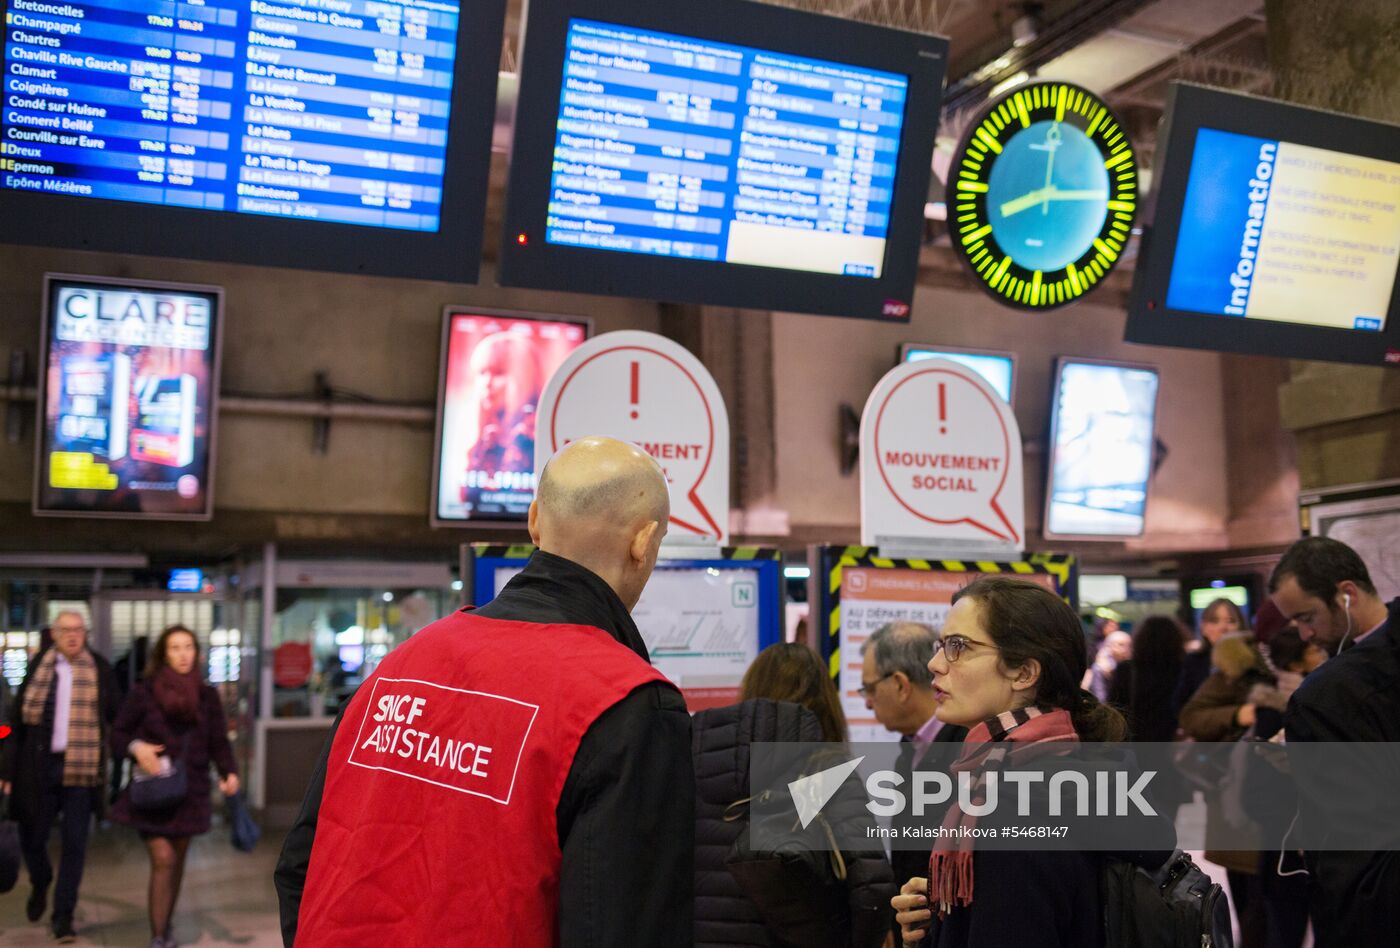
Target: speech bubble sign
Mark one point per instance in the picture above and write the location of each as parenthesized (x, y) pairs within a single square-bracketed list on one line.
[(940, 459), (648, 390)]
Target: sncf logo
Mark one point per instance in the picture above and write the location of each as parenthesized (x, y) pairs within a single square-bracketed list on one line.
[(1392, 357), (895, 309)]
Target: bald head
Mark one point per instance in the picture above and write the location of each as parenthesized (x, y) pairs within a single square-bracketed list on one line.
[(603, 479), (603, 504)]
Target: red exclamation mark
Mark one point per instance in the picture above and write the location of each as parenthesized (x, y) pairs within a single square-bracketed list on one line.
[(636, 384), (942, 408)]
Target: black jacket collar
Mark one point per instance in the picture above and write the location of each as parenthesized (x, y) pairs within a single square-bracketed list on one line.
[(553, 589)]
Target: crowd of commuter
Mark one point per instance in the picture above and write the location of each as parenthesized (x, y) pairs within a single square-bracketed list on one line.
[(589, 808)]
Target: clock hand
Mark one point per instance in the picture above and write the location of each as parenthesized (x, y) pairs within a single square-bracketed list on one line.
[(1017, 205), (1086, 195), (1043, 196), (1052, 139)]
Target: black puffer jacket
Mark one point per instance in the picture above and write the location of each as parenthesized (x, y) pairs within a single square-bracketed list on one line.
[(720, 741)]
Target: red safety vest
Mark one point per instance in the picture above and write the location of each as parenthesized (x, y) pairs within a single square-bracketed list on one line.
[(437, 825)]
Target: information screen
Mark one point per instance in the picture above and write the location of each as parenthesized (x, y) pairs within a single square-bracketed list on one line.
[(703, 621), (319, 110), (127, 401), (680, 147), (1101, 449), (495, 367), (998, 370), (1289, 233)]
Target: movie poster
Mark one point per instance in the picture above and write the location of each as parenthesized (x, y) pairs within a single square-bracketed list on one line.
[(495, 370), (127, 402)]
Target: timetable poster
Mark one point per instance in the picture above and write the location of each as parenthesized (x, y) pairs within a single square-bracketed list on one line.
[(496, 370), (318, 110), (129, 379), (1285, 232), (680, 147)]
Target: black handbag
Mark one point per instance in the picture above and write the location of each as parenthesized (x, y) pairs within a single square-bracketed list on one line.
[(797, 878), (163, 791), (9, 847)]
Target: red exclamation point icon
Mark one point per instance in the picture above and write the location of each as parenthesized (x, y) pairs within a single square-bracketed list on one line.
[(636, 384), (942, 407)]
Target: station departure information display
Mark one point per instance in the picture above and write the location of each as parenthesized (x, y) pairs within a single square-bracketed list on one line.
[(323, 110), (680, 147)]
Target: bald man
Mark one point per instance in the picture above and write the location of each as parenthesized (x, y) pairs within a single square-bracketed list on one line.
[(517, 774)]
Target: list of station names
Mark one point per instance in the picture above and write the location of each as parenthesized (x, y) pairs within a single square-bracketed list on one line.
[(665, 144), (330, 110)]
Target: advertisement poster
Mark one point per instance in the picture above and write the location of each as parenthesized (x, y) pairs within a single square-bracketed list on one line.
[(875, 596), (1101, 450), (495, 368), (127, 403)]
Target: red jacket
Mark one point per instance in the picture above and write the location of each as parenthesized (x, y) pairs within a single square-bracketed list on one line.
[(437, 825)]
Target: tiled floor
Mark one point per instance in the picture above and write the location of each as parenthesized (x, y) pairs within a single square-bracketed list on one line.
[(227, 898)]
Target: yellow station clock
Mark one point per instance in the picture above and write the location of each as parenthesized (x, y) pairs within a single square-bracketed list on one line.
[(1042, 194)]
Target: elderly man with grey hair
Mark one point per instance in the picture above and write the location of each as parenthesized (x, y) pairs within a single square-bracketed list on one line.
[(898, 688)]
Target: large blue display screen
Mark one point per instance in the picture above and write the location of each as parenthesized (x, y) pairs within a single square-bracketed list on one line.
[(322, 110), (681, 147)]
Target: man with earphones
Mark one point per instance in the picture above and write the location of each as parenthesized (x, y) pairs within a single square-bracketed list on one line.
[(1348, 808)]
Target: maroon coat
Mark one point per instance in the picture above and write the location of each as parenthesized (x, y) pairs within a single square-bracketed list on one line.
[(203, 742)]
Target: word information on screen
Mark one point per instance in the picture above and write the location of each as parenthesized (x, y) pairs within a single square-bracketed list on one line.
[(324, 110), (687, 148), (1285, 232)]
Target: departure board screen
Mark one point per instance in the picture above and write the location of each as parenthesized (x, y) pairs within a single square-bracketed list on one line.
[(317, 110), (680, 147)]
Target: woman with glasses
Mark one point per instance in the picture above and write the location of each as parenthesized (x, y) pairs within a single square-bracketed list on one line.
[(1009, 666)]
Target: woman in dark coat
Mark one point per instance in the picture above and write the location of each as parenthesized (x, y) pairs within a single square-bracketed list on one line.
[(1008, 667), (787, 697), (173, 714), (1219, 619)]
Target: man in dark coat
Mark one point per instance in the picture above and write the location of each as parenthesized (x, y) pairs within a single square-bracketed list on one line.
[(625, 817), (1351, 808), (898, 688), (61, 716)]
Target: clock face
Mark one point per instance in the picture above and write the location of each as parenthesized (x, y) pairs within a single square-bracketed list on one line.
[(1044, 189)]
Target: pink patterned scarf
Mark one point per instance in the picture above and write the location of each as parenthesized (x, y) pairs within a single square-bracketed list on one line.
[(950, 865)]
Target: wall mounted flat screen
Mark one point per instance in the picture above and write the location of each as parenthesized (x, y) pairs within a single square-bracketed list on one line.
[(1101, 440), (494, 368), (704, 621), (1277, 232), (127, 399), (998, 368), (731, 153), (326, 134)]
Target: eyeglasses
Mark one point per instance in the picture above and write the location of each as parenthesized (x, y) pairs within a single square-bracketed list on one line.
[(867, 689), (954, 645)]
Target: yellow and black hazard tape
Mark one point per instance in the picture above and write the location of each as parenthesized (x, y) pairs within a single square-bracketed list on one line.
[(1058, 565)]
